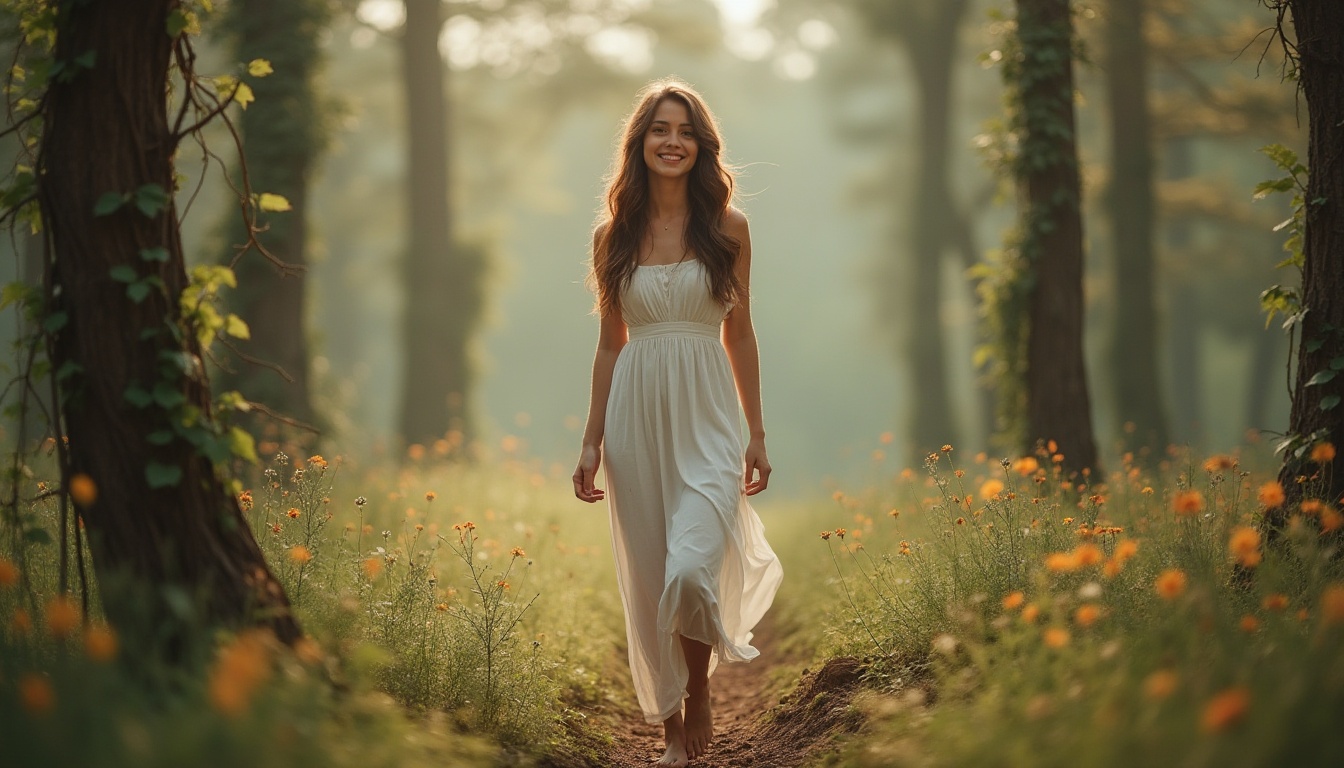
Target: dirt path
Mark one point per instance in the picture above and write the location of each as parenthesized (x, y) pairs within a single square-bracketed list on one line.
[(754, 728)]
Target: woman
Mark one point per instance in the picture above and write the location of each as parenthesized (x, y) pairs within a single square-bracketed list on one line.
[(672, 267)]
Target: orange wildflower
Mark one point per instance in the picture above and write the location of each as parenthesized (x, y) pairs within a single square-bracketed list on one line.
[(300, 554), (990, 488), (825, 535), (1188, 503), (372, 567), (318, 462), (1249, 624), (1087, 614), (1030, 613), (1226, 709), (1323, 453), (1274, 602), (1219, 463), (1171, 583), (1244, 545), (1087, 554), (293, 512), (100, 643), (1061, 562), (1056, 637), (517, 552), (21, 623), (1125, 549), (1331, 520), (1271, 495), (430, 495), (241, 668), (1025, 466), (83, 491), (1013, 601), (1160, 684), (9, 573), (62, 616), (36, 693), (1332, 604)]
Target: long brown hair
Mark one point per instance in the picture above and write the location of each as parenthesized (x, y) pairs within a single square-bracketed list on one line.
[(622, 225)]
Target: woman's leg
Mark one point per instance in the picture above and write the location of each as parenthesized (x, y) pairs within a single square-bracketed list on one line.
[(699, 722)]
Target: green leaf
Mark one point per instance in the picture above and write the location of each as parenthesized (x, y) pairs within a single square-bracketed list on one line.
[(242, 445), (259, 68), (162, 475), (137, 395), (1337, 363), (235, 327), (87, 59), (269, 201), (151, 199), (139, 291), (1314, 344), (55, 321), (160, 437), (1321, 377), (168, 396), (16, 292), (68, 368), (180, 21), (109, 203), (1329, 402), (124, 273), (159, 254)]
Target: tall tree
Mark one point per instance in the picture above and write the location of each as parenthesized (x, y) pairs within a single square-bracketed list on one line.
[(1316, 51), (135, 399), (1134, 341), (283, 138), (1040, 302), (442, 281)]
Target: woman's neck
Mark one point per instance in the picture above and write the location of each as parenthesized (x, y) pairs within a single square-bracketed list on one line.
[(667, 198)]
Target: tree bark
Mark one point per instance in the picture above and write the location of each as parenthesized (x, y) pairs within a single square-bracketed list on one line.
[(1134, 342), (106, 130), (1319, 32), (282, 139), (442, 283), (1058, 407)]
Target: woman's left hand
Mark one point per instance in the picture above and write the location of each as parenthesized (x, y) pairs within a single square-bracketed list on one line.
[(758, 467)]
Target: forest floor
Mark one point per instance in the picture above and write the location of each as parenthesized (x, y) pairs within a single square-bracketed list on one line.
[(757, 722)]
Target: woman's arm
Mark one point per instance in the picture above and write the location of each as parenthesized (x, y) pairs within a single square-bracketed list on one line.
[(739, 340), (612, 336)]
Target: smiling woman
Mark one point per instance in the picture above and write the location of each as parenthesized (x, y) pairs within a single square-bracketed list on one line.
[(676, 356)]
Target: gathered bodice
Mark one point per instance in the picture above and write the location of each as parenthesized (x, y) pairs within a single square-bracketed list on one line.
[(670, 293)]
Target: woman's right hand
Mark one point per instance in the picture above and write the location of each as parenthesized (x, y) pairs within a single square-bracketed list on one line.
[(586, 475)]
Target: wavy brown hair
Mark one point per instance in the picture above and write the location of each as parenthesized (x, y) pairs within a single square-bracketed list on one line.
[(623, 224)]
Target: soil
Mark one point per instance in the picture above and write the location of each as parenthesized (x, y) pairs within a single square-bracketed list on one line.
[(755, 726)]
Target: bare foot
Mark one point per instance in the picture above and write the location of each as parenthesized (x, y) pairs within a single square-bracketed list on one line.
[(699, 724), (674, 735)]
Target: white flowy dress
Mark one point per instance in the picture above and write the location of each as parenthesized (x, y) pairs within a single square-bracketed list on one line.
[(691, 554)]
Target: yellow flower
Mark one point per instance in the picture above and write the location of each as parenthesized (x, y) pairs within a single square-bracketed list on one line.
[(1087, 614), (100, 643), (1332, 604), (83, 491), (1160, 684), (1056, 637), (63, 616), (36, 693), (1323, 453), (1187, 503), (1271, 495), (300, 554), (1226, 709), (1171, 584), (9, 573), (1013, 600), (1245, 546)]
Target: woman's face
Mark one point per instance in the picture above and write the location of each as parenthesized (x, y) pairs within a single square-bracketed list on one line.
[(669, 144)]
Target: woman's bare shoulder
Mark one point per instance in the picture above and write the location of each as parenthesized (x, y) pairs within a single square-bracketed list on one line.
[(735, 223)]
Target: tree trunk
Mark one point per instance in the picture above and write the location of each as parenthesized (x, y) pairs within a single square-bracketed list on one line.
[(1134, 344), (932, 47), (282, 138), (1057, 405), (106, 130), (1184, 319), (442, 283), (1318, 413)]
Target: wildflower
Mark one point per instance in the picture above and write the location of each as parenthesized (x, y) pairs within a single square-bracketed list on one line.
[(1025, 466), (960, 473), (1188, 503), (1090, 591), (886, 438), (1068, 521), (1087, 614), (275, 528), (293, 512), (1271, 495), (1013, 601), (318, 462), (947, 449), (895, 513), (1030, 613), (961, 521), (945, 644), (517, 552), (419, 527), (1160, 684), (502, 584), (372, 566), (1332, 604), (1274, 602), (1126, 549), (468, 526), (1219, 463), (430, 495), (1056, 637), (36, 693), (1331, 520), (9, 573), (840, 532), (1245, 546), (1171, 584), (825, 535), (83, 491), (441, 607), (1226, 709), (360, 501), (1087, 554), (62, 616), (100, 643), (1061, 562), (1249, 624), (1147, 490), (300, 554), (991, 488), (245, 501), (242, 666), (1323, 453), (1112, 568)]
